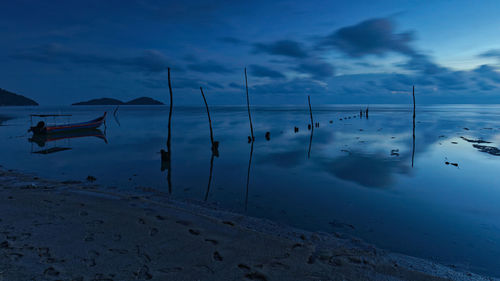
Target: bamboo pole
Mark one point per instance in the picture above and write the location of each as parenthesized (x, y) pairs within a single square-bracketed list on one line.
[(312, 127), (248, 106), (169, 137), (209, 120), (414, 109)]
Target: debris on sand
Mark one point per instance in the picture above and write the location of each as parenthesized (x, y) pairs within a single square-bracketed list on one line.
[(488, 149), (467, 129), (91, 179), (474, 141), (450, 163), (395, 152)]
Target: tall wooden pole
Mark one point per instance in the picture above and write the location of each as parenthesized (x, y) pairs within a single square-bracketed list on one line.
[(209, 120), (413, 150), (248, 105), (169, 151), (312, 127)]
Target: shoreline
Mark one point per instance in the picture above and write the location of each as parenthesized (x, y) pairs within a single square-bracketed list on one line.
[(54, 230)]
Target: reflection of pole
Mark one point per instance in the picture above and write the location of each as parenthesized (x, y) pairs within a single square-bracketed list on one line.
[(312, 127), (413, 151), (210, 177), (248, 105), (209, 120), (169, 151), (248, 175)]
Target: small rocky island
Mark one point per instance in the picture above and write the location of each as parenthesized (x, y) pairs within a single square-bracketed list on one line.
[(10, 99), (111, 101)]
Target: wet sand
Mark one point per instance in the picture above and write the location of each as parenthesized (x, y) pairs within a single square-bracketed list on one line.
[(77, 231)]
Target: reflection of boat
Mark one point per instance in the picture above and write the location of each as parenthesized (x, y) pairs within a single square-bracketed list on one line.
[(41, 140), (42, 129)]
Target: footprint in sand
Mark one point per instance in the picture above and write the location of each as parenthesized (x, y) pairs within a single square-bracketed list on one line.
[(256, 276), (218, 257), (194, 232), (185, 223), (153, 231), (213, 241), (51, 272)]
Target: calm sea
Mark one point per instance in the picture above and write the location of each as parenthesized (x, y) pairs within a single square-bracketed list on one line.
[(362, 176)]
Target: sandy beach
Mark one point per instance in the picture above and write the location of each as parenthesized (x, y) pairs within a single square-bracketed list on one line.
[(78, 231)]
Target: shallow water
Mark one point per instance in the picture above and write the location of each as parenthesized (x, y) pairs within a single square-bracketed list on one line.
[(357, 177)]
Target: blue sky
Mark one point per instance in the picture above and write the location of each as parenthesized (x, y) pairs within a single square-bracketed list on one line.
[(60, 52)]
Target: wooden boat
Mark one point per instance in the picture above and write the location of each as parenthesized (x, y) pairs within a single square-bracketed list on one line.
[(41, 128)]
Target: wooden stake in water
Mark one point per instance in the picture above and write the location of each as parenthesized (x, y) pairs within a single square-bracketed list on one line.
[(312, 127), (248, 106), (414, 109), (169, 137), (215, 144)]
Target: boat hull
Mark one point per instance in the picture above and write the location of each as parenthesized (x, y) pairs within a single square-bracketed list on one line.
[(92, 124)]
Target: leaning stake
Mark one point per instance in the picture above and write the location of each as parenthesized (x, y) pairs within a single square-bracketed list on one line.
[(248, 106)]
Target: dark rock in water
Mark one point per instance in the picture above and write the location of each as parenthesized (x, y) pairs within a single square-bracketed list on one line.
[(474, 141), (309, 127), (268, 136), (466, 129), (10, 99), (296, 130), (488, 149), (331, 121), (395, 152), (91, 179)]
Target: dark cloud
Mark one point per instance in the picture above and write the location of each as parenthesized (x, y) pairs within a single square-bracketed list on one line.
[(235, 86), (295, 86), (287, 48), (148, 61), (232, 40), (423, 64), (209, 66), (317, 69), (179, 83), (488, 72), (370, 37), (262, 71), (495, 53)]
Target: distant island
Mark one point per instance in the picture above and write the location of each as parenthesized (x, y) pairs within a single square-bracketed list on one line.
[(110, 101), (10, 99)]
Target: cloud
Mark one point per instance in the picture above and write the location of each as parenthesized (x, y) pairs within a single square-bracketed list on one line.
[(495, 53), (262, 71), (149, 61), (287, 48), (317, 69), (235, 85), (370, 37), (295, 86), (209, 66), (179, 83), (232, 40)]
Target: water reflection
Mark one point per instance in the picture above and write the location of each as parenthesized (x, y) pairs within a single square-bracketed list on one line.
[(43, 140), (360, 172)]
